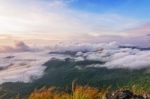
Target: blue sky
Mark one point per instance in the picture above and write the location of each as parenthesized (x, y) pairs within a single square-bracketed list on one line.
[(133, 8)]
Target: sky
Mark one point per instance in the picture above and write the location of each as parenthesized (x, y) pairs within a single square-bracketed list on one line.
[(88, 20), (98, 27)]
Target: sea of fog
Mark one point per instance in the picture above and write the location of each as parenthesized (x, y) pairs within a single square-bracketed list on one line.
[(23, 63)]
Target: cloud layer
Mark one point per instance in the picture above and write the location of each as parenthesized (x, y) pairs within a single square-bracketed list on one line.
[(18, 47), (21, 63), (111, 53)]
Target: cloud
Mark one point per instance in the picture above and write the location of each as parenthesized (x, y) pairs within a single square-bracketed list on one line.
[(142, 29), (122, 58), (18, 47), (60, 3), (21, 63), (138, 60), (111, 54), (22, 67)]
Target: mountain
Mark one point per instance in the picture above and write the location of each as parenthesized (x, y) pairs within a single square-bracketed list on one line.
[(61, 73)]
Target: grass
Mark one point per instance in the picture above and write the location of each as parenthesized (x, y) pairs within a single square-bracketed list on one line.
[(78, 92)]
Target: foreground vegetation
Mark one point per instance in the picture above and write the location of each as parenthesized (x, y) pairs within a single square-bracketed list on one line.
[(79, 92)]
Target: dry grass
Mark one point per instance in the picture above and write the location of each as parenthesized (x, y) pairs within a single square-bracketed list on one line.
[(78, 92)]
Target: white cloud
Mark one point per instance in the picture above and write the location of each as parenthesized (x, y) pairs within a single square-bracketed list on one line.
[(21, 63), (110, 53), (23, 67), (132, 61)]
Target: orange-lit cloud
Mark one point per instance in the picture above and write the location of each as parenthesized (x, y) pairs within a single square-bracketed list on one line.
[(143, 29)]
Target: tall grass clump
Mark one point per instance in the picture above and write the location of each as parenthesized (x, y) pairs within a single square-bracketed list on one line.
[(78, 92)]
